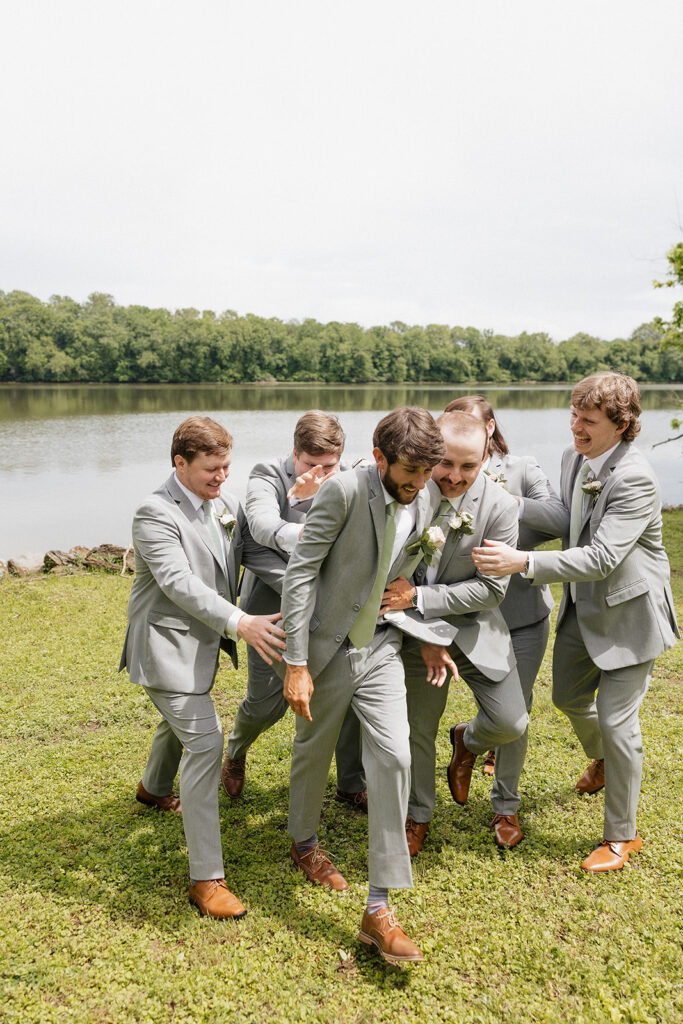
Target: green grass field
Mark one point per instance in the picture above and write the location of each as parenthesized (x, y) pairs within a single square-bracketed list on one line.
[(96, 925)]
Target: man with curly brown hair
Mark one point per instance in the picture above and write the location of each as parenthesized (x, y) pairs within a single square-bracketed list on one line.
[(617, 611)]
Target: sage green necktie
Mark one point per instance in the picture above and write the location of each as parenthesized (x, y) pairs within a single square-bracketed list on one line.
[(576, 515), (212, 531), (363, 629)]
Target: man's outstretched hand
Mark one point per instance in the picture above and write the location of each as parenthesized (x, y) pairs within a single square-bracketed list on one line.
[(438, 662), (264, 635)]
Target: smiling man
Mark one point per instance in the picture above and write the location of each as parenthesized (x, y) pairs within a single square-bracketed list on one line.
[(471, 506), (338, 656), (279, 496), (189, 543), (617, 612)]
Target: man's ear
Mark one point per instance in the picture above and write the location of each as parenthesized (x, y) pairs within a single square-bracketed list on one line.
[(380, 459)]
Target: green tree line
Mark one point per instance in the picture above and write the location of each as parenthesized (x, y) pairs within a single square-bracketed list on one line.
[(65, 341)]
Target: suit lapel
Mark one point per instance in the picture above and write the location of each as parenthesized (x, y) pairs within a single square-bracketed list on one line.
[(603, 476), (192, 515), (377, 508), (470, 504)]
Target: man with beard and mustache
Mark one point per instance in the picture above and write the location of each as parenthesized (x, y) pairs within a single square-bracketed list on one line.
[(338, 655)]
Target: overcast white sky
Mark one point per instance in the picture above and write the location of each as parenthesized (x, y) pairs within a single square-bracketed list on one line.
[(512, 165)]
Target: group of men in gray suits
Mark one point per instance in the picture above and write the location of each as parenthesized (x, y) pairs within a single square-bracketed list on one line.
[(389, 579)]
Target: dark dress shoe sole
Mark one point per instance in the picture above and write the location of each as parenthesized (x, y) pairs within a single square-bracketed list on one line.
[(205, 913), (414, 958)]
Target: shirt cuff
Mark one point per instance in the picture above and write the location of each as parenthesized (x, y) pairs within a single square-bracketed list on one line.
[(520, 513), (294, 501), (420, 600), (230, 630), (288, 661), (287, 536), (530, 571)]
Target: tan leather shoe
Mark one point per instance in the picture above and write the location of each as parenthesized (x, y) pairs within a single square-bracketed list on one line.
[(459, 771), (318, 867), (506, 830), (415, 833), (593, 779), (162, 803), (489, 766), (383, 930), (612, 856), (214, 899), (232, 776), (359, 801)]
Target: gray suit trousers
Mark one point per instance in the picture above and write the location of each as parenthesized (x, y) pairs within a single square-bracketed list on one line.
[(371, 682), (190, 725), (607, 725), (529, 644), (501, 718), (264, 705)]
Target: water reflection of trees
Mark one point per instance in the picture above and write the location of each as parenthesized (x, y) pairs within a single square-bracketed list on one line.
[(33, 402)]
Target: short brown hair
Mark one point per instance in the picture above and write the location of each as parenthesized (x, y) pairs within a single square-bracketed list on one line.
[(318, 433), (617, 394), (464, 423), (467, 403), (409, 434), (200, 434)]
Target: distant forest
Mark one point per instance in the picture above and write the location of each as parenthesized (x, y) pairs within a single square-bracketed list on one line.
[(64, 341)]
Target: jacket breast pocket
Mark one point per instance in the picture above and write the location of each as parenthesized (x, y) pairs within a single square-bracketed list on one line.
[(627, 592), (169, 621)]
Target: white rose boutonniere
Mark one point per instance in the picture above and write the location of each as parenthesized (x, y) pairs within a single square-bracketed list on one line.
[(431, 540), (461, 523), (592, 488), (498, 478), (227, 521)]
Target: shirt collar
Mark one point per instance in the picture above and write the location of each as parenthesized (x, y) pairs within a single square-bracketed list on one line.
[(195, 500), (599, 461)]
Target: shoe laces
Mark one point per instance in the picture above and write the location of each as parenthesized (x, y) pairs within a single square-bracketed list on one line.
[(386, 917), (316, 857), (411, 826), (237, 767)]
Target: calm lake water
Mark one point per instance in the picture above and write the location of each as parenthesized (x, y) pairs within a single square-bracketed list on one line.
[(79, 459)]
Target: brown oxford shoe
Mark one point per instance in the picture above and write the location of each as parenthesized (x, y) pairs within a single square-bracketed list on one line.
[(489, 766), (459, 771), (232, 776), (318, 868), (214, 899), (593, 779), (359, 801), (162, 803), (612, 856), (415, 833), (506, 830), (383, 930)]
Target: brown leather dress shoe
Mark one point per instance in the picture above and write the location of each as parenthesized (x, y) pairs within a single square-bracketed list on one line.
[(459, 771), (359, 801), (383, 930), (612, 856), (162, 803), (506, 830), (489, 766), (214, 899), (415, 833), (318, 867), (593, 779), (232, 776)]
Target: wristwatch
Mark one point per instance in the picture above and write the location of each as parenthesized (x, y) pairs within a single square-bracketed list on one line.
[(413, 599)]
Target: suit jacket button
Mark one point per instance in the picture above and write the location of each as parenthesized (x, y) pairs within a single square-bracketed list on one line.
[(356, 607), (338, 638)]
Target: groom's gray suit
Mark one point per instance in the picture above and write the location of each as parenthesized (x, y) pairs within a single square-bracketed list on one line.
[(482, 649), (327, 582), (182, 598), (622, 618), (267, 509)]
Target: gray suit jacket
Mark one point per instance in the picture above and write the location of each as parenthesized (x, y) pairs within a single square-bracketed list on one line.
[(545, 517), (267, 509), (182, 595), (624, 604), (333, 567), (463, 597)]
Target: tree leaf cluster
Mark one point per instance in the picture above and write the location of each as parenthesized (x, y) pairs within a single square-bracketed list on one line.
[(99, 341)]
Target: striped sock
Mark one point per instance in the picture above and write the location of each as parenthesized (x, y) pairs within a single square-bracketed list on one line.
[(307, 844), (378, 899)]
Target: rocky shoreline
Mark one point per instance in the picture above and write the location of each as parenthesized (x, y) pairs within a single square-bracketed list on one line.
[(104, 557)]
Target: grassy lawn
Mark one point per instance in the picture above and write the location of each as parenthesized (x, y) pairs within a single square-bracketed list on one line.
[(96, 925)]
